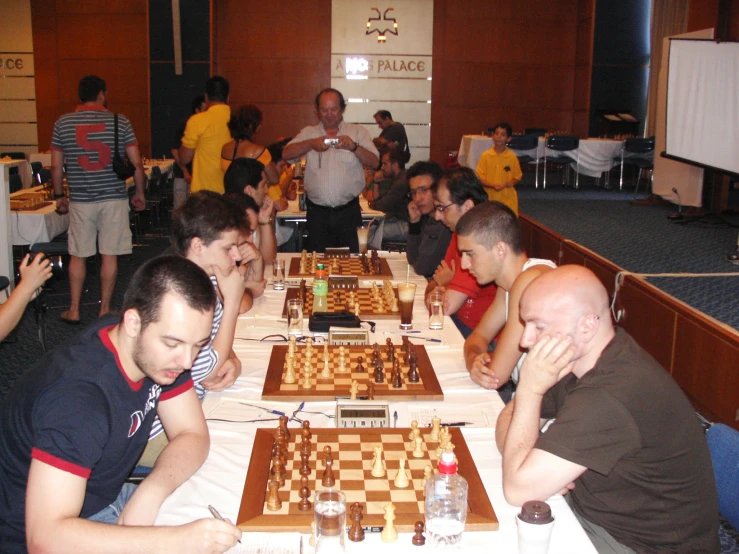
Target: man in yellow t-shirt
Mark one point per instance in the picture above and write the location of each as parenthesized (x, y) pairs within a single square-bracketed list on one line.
[(205, 135), (499, 169)]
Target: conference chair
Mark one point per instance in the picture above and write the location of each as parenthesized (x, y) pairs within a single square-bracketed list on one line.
[(523, 146), (15, 183), (563, 144), (723, 443), (13, 155), (637, 152)]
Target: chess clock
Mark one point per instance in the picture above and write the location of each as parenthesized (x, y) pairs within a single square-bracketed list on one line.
[(365, 414), (348, 337)]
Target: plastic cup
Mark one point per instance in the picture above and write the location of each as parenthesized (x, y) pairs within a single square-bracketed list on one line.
[(330, 517), (406, 295), (436, 310), (363, 238), (278, 274), (295, 317)]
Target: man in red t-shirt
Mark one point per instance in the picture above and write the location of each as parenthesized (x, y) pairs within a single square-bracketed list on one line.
[(457, 192)]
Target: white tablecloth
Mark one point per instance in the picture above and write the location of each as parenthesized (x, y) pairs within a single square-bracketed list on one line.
[(220, 481), (42, 225), (596, 155)]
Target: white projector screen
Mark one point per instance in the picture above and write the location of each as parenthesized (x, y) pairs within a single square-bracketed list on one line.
[(702, 123)]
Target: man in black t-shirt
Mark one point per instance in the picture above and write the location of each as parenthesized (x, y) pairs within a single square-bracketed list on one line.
[(73, 427), (625, 443), (393, 134)]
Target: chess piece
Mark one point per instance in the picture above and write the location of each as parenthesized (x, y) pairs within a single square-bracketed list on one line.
[(273, 500), (326, 373), (394, 308), (342, 364), (353, 390), (290, 376), (418, 539), (312, 540), (415, 433), (360, 367), (370, 391), (378, 464), (325, 353), (304, 505), (328, 474), (307, 435), (450, 448), (356, 533), (283, 426), (427, 471), (414, 426), (380, 309), (413, 376), (277, 469), (398, 380), (435, 427), (356, 310), (389, 533), (379, 374), (304, 463), (401, 478), (418, 450), (306, 382)]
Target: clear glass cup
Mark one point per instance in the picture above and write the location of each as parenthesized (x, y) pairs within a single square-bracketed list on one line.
[(363, 238), (406, 294), (278, 274), (436, 310), (295, 317), (330, 517)]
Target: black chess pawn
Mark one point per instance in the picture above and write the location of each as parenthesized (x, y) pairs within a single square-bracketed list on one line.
[(379, 374), (397, 380), (418, 538), (304, 505), (391, 354), (413, 376), (356, 533), (370, 391), (360, 367)]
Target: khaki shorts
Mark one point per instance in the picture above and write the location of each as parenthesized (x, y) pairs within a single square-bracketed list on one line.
[(104, 222)]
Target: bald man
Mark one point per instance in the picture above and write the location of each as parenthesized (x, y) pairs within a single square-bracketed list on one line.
[(626, 443)]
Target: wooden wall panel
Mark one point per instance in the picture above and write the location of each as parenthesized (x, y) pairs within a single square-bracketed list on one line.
[(74, 38), (273, 63)]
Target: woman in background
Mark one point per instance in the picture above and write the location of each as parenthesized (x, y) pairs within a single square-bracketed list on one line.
[(244, 124)]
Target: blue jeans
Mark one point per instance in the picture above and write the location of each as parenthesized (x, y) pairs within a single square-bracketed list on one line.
[(111, 513)]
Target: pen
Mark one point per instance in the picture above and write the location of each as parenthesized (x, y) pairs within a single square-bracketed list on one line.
[(218, 516), (457, 424), (395, 419), (400, 332)]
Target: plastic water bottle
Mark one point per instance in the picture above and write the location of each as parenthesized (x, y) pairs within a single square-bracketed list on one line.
[(446, 505), (320, 289)]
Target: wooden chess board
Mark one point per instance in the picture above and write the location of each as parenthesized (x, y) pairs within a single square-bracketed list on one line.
[(338, 300), (347, 266), (428, 388), (352, 451)]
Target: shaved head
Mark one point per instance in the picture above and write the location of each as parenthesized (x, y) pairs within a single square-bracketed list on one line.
[(571, 286)]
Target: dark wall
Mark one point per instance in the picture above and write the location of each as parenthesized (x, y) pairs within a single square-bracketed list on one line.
[(620, 59), (171, 95)]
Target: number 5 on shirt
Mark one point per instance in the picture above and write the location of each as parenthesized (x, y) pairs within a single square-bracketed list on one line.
[(103, 150)]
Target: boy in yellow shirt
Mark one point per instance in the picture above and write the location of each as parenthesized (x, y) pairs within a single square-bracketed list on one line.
[(499, 169)]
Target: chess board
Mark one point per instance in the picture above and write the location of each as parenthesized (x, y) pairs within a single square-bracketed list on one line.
[(347, 266), (428, 388), (352, 451), (338, 301)]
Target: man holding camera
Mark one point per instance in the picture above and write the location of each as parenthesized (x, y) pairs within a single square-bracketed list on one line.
[(335, 153)]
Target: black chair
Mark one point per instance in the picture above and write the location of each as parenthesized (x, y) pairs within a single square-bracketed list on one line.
[(41, 176), (536, 131), (637, 152), (13, 155), (563, 143), (15, 183), (526, 144)]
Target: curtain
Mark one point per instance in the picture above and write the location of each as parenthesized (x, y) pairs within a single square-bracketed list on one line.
[(669, 17)]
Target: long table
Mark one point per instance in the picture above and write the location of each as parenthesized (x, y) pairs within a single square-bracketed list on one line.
[(220, 481), (596, 156)]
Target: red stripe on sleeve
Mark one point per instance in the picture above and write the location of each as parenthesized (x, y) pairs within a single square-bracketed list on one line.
[(184, 387), (56, 148), (58, 463)]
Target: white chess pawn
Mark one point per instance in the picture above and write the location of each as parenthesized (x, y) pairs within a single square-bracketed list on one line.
[(414, 426), (326, 373), (418, 450)]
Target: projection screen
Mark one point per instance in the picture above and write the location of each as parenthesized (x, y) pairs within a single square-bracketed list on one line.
[(703, 103)]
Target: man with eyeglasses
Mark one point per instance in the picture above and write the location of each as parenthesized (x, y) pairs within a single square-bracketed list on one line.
[(457, 192), (428, 239), (335, 152)]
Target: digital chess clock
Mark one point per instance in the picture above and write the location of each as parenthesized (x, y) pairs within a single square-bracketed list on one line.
[(348, 337), (366, 414)]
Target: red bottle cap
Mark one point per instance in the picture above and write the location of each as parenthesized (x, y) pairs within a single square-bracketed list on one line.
[(447, 465)]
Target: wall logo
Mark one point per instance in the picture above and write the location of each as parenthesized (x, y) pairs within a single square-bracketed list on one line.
[(382, 24)]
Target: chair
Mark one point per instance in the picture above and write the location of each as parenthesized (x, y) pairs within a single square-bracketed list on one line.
[(642, 156), (536, 131), (563, 143), (13, 155), (723, 443), (526, 143), (15, 183), (4, 284), (40, 174)]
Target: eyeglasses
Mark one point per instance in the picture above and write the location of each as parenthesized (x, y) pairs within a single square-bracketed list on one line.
[(442, 209), (419, 190)]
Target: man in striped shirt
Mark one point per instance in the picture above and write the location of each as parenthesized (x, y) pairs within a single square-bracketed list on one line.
[(98, 205), (206, 230)]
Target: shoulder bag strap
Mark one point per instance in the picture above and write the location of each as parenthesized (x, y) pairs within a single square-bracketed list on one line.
[(236, 149), (115, 132)]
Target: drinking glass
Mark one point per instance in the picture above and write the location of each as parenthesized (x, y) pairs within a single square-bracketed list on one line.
[(436, 310), (295, 317), (363, 237), (406, 294), (330, 518), (278, 274)]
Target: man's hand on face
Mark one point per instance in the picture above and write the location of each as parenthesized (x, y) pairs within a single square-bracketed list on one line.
[(414, 215), (548, 361), (265, 211), (231, 285)]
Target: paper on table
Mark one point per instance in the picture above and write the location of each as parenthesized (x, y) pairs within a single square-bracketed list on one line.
[(480, 417), (231, 409), (268, 543)]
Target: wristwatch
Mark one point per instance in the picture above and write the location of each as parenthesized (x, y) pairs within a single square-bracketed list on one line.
[(266, 222), (356, 145), (58, 196)]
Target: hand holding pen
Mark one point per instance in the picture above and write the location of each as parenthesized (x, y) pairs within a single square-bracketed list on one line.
[(219, 517)]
